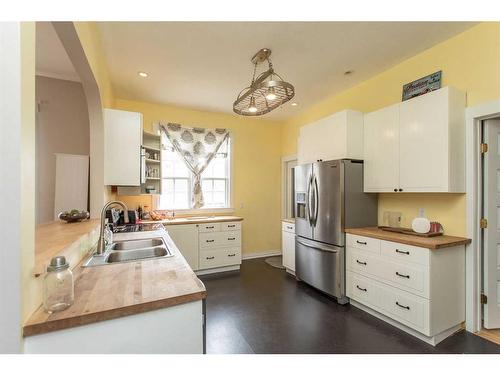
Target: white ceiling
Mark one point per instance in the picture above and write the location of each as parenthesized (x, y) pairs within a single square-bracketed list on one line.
[(204, 65), (50, 55)]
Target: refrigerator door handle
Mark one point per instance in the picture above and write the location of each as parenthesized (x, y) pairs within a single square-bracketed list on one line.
[(309, 191), (315, 245), (316, 200)]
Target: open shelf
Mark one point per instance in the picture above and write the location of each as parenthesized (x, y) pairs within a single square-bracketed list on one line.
[(152, 161)]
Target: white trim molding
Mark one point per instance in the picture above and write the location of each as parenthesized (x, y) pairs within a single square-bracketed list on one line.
[(261, 254), (473, 257)]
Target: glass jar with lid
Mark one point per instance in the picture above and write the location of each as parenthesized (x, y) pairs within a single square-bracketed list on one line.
[(58, 286)]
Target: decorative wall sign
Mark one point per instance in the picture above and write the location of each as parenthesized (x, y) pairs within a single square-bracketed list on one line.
[(422, 85)]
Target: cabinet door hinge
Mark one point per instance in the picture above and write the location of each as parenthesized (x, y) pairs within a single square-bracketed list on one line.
[(484, 299), (484, 148), (483, 223)]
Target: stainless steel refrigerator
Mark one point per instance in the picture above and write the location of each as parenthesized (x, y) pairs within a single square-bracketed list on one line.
[(328, 198)]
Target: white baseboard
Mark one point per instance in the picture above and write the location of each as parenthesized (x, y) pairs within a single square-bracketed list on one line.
[(432, 340), (261, 254)]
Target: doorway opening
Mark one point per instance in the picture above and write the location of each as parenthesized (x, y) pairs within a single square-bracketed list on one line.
[(483, 220), (489, 205)]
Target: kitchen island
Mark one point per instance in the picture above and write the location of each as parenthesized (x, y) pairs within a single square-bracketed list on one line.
[(146, 306)]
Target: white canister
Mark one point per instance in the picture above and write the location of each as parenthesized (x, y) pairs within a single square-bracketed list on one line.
[(421, 224)]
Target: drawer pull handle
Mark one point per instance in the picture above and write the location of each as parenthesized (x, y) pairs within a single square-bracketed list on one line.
[(362, 289), (231, 226), (231, 255), (363, 263), (361, 242), (289, 228), (401, 275), (403, 306), (231, 238), (210, 258), (402, 252), (210, 240), (212, 227)]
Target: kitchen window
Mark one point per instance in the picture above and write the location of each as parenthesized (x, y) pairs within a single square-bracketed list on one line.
[(177, 179)]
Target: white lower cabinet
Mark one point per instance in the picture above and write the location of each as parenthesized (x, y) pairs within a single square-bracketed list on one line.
[(288, 245), (422, 291), (207, 246), (185, 238)]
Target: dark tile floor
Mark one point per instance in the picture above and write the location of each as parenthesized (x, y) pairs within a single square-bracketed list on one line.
[(261, 309)]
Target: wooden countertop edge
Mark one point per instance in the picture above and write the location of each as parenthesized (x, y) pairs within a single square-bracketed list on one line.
[(408, 239), (76, 321), (201, 221)]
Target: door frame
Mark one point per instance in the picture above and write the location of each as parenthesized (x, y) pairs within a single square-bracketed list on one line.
[(473, 256), (284, 162)]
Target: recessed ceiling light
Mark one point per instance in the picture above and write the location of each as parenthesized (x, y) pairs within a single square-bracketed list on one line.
[(142, 74), (347, 72), (295, 104)]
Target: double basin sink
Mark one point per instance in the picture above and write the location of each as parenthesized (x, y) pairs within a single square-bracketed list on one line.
[(130, 251)]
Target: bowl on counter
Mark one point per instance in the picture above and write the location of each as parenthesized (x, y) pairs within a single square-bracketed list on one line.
[(74, 216)]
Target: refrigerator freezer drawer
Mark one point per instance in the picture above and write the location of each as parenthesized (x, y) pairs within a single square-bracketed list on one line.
[(321, 266)]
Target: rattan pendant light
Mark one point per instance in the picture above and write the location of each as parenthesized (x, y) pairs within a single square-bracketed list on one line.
[(266, 92)]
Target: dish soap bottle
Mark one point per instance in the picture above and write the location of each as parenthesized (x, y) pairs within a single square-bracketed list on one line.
[(421, 224)]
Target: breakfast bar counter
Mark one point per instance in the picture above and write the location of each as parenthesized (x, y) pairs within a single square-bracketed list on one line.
[(117, 290)]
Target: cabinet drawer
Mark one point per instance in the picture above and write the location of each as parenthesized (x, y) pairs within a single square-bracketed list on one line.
[(404, 252), (362, 289), (233, 225), (412, 278), (230, 238), (209, 227), (362, 262), (287, 227), (364, 243), (220, 258), (402, 306), (209, 240), (407, 308)]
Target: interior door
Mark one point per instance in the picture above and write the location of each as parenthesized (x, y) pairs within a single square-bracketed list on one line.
[(491, 239), (327, 187), (303, 174)]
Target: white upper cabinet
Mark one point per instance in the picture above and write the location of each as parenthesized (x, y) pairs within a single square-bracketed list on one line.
[(339, 136), (417, 145), (381, 153), (122, 147)]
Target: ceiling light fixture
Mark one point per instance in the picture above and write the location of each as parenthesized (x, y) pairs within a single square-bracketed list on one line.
[(143, 74), (266, 92), (295, 104)]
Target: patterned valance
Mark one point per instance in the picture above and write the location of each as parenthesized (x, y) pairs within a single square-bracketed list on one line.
[(197, 147)]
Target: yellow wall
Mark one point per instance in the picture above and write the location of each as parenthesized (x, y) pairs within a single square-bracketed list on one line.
[(90, 39), (256, 166), (469, 62)]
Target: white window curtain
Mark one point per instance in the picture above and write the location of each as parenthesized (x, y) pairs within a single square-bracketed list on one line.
[(197, 147)]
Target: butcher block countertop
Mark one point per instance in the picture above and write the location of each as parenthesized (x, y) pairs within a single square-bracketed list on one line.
[(433, 243), (196, 220), (117, 290), (57, 238)]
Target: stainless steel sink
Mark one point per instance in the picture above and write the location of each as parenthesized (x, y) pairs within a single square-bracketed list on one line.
[(133, 255), (130, 251), (137, 244)]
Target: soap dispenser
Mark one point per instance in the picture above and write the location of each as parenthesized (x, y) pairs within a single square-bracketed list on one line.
[(421, 224)]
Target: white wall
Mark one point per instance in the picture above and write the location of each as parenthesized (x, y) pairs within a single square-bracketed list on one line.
[(16, 103), (62, 126)]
